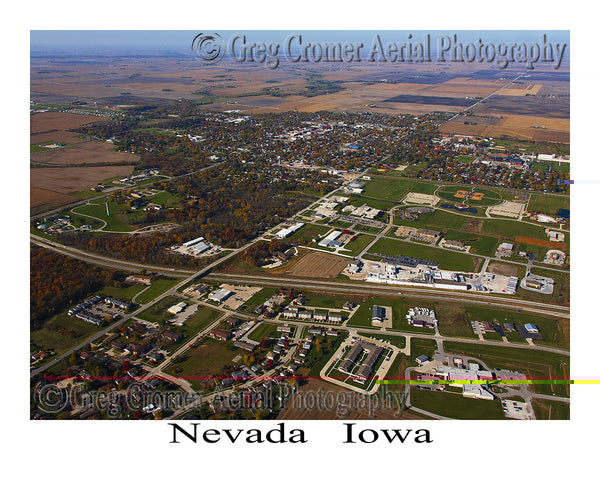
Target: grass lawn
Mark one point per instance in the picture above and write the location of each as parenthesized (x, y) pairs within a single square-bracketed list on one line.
[(465, 158), (453, 321), (448, 260), (537, 365), (158, 287), (358, 201), (265, 329), (358, 244), (258, 299), (308, 232), (208, 358), (197, 322), (480, 244), (454, 405), (116, 221), (549, 410), (325, 301), (165, 198), (554, 331), (511, 228), (396, 340), (60, 333), (125, 293), (158, 311), (437, 220), (421, 346)]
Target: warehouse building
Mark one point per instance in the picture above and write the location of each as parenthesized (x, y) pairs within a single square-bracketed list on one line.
[(220, 295), (330, 239)]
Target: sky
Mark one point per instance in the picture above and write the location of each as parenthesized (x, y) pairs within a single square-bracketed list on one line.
[(163, 40)]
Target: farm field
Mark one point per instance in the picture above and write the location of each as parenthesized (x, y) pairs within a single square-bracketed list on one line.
[(51, 127), (88, 153), (67, 180)]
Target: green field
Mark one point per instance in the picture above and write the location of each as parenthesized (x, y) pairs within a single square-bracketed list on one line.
[(197, 322), (480, 244), (308, 232), (61, 333), (554, 331), (324, 301), (549, 410), (465, 158), (358, 201), (122, 293), (395, 189), (158, 287), (397, 340), (447, 259), (204, 360), (358, 244), (421, 346), (115, 221), (549, 204), (265, 329), (437, 220), (158, 312), (454, 405), (258, 299), (511, 228)]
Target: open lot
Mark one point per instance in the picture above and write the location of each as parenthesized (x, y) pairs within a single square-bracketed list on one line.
[(318, 265)]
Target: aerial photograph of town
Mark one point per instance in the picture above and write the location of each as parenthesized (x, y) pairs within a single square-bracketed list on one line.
[(300, 225)]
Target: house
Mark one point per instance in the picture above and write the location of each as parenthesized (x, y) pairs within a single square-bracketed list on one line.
[(220, 334), (531, 328), (171, 336)]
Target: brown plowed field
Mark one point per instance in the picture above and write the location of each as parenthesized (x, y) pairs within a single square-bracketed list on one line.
[(540, 243), (318, 265)]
